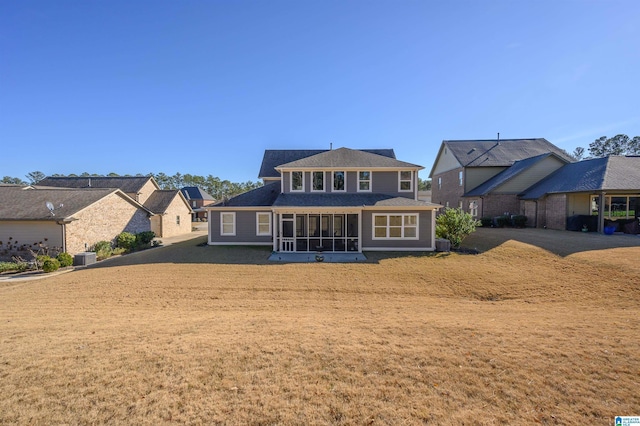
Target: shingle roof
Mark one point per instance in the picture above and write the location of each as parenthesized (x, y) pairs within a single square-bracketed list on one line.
[(30, 204), (195, 193), (347, 200), (615, 173), (507, 174), (275, 157), (492, 153), (347, 158), (128, 184), (160, 200), (259, 197)]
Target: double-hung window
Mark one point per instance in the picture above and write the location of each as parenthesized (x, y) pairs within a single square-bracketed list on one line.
[(395, 226), (297, 181), (339, 181), (364, 181), (405, 180), (228, 223), (317, 181), (460, 178), (263, 223)]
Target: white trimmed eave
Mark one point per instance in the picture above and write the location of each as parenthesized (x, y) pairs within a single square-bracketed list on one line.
[(348, 169), (403, 208), (317, 209), (238, 208)]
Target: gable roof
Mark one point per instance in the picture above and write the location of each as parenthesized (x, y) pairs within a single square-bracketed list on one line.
[(614, 173), (128, 184), (347, 158), (161, 199), (498, 153), (30, 204), (276, 157), (505, 175), (262, 196), (195, 193)]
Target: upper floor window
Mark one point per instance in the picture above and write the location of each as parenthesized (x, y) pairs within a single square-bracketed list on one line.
[(439, 183), (297, 181), (406, 180), (194, 204), (364, 181), (339, 181), (460, 178), (317, 181)]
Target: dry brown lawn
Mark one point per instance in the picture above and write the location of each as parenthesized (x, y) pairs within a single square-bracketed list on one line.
[(205, 335)]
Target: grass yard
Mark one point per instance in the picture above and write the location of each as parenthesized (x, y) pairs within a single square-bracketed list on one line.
[(207, 335)]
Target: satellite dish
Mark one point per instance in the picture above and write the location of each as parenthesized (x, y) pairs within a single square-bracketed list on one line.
[(51, 207)]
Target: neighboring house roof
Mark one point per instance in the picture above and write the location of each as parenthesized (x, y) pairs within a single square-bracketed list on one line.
[(31, 204), (276, 157), (505, 175), (161, 199), (195, 193), (346, 158), (615, 173), (258, 197), (347, 200), (498, 153), (128, 184)]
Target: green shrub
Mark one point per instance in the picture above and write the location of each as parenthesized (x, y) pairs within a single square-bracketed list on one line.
[(65, 259), (50, 265), (126, 240), (103, 250), (145, 238), (455, 225), (13, 266), (502, 221), (40, 259), (519, 221), (486, 222)]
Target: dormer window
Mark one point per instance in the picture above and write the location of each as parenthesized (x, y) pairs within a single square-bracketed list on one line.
[(405, 180), (317, 179), (339, 181), (297, 181)]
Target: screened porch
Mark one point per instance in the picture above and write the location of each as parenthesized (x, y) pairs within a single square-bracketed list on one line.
[(312, 232)]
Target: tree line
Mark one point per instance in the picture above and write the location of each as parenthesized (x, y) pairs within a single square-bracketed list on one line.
[(604, 146), (213, 185)]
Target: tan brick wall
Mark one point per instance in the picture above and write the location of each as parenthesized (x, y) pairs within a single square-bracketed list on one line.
[(170, 227), (103, 221)]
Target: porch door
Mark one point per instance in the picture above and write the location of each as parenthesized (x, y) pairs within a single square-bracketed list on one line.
[(287, 241)]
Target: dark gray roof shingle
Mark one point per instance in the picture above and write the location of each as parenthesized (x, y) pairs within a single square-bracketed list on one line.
[(128, 184), (275, 157), (491, 153), (195, 193), (347, 200), (615, 173), (160, 200), (347, 158), (30, 204), (259, 197)]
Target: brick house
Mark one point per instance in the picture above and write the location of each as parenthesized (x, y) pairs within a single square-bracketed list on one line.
[(197, 199), (80, 217), (484, 177), (171, 210)]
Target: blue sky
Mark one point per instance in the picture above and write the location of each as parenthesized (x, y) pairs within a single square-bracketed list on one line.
[(204, 87)]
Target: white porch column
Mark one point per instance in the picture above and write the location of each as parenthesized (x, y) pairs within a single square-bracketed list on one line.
[(274, 231), (360, 231)]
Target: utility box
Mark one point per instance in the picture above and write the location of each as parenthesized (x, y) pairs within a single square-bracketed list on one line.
[(84, 258), (443, 245)]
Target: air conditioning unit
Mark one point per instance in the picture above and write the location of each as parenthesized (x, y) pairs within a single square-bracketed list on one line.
[(84, 258)]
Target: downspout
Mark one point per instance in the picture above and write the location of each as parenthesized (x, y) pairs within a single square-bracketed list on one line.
[(64, 235)]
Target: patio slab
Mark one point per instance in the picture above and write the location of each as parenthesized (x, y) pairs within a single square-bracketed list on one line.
[(311, 257)]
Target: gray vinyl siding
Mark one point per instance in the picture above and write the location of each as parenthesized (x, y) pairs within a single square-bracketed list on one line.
[(381, 183), (474, 176), (245, 228), (425, 231)]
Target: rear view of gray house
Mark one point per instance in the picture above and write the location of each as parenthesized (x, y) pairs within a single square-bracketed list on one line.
[(342, 200)]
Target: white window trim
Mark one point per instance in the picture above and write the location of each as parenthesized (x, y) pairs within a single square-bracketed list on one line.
[(402, 237), (460, 178), (410, 180), (291, 181), (473, 208), (344, 173), (324, 178), (258, 233), (370, 180), (227, 234)]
